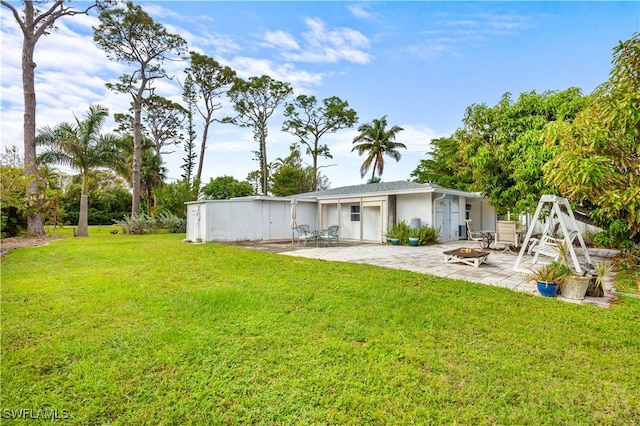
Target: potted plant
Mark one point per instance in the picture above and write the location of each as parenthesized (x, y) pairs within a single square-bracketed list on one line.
[(414, 236), (596, 287), (549, 276), (572, 286), (399, 233), (575, 286)]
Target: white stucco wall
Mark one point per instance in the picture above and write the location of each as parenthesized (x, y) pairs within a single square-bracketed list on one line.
[(245, 219), (411, 206)]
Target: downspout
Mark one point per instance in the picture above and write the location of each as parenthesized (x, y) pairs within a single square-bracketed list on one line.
[(361, 221), (433, 208)]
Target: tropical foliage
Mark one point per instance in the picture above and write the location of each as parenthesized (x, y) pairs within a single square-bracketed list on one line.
[(130, 36), (171, 197), (35, 23), (225, 187), (426, 235), (109, 195), (210, 81), (598, 153), (310, 122), (290, 176), (83, 147), (500, 151), (377, 141), (13, 190), (255, 100)]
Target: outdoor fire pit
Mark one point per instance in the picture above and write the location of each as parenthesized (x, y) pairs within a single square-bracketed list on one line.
[(468, 256)]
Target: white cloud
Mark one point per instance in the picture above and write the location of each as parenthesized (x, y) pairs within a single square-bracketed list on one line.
[(449, 34), (281, 39), (359, 11), (249, 67), (322, 45)]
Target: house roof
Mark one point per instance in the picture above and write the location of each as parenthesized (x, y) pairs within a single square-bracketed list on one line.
[(397, 187)]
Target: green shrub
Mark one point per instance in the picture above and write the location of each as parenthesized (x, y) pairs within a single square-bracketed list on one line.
[(603, 239), (403, 231), (400, 231), (427, 235), (137, 225), (172, 223)]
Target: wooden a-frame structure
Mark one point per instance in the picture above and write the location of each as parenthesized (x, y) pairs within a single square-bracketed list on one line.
[(555, 214)]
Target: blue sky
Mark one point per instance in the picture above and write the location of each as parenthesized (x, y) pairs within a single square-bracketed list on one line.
[(419, 63)]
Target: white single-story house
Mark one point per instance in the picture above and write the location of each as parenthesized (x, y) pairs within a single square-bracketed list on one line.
[(363, 212)]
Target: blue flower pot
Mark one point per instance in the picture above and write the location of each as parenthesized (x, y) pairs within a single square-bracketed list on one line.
[(414, 241), (548, 289), (394, 241)]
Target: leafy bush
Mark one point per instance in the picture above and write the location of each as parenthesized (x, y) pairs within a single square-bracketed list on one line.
[(426, 234), (12, 223), (172, 196), (609, 240), (400, 231), (137, 225), (172, 223), (403, 231), (603, 239)]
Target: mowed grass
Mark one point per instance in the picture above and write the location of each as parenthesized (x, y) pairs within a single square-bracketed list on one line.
[(151, 330)]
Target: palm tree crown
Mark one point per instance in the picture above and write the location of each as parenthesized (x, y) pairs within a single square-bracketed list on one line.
[(376, 140)]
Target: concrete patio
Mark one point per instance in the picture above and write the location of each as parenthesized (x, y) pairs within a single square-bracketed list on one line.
[(498, 271)]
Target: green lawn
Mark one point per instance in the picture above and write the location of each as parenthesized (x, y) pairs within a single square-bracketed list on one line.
[(118, 329)]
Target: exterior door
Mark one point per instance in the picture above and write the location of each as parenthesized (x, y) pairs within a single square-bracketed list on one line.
[(193, 232), (446, 219)]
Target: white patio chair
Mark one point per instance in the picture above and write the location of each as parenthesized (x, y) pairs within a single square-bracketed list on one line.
[(506, 234), (481, 238)]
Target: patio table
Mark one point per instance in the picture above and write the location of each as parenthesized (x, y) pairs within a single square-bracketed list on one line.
[(467, 256)]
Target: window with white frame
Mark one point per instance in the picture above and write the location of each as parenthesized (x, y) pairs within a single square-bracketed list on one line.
[(355, 213)]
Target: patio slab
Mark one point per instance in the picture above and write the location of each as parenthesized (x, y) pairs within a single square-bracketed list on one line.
[(498, 271)]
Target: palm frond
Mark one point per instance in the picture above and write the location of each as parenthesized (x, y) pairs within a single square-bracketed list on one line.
[(53, 156)]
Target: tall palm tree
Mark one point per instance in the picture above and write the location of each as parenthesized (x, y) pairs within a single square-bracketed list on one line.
[(376, 140), (82, 147)]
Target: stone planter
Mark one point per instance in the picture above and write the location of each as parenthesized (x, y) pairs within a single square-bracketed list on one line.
[(575, 287)]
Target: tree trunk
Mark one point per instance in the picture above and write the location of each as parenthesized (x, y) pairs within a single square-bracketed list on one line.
[(137, 157), (265, 165), (83, 229), (314, 182), (203, 147), (35, 224)]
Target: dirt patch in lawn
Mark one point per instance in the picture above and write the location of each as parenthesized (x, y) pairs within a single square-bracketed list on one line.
[(19, 242)]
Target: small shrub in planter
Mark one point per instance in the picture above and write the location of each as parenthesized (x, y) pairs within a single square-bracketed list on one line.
[(400, 231), (549, 276)]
